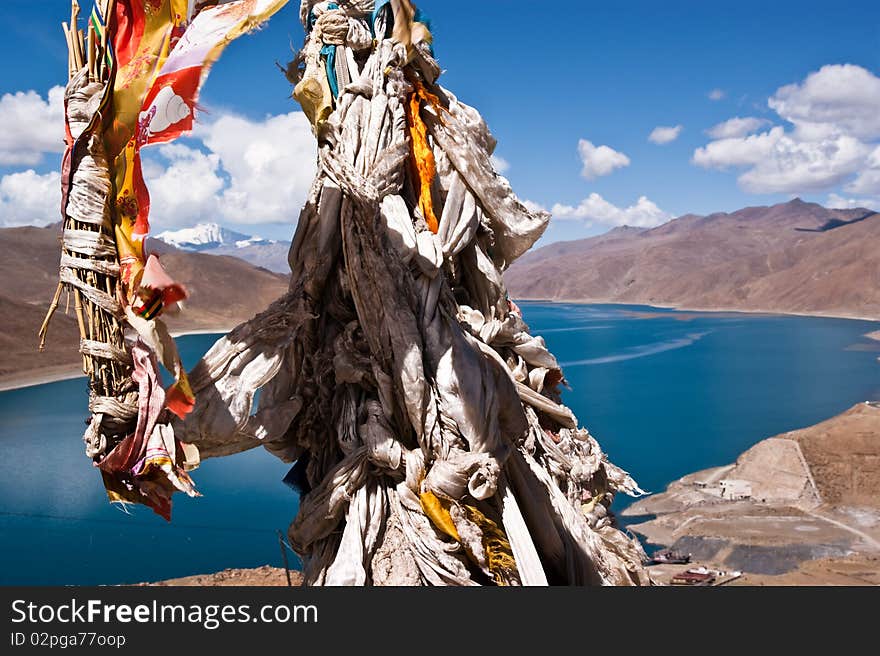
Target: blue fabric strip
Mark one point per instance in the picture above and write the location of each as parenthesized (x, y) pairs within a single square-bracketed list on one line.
[(380, 5), (329, 53), (422, 17)]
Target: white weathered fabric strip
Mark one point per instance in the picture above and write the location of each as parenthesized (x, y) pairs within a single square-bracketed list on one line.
[(396, 364), (107, 267), (106, 351), (100, 298)]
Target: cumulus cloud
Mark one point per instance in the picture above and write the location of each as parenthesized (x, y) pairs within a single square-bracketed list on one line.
[(750, 150), (270, 164), (500, 164), (664, 135), (185, 187), (799, 166), (243, 171), (29, 198), (716, 94), (838, 202), (868, 180), (599, 160), (32, 126), (233, 169), (832, 141), (598, 211), (838, 98), (737, 127)]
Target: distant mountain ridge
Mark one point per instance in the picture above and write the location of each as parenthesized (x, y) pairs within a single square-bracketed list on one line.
[(795, 257), (223, 291), (207, 236), (214, 239)]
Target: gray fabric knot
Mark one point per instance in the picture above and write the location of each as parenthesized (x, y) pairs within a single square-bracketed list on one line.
[(464, 472)]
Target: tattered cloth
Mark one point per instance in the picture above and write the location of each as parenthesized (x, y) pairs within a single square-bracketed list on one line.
[(149, 465), (430, 442)]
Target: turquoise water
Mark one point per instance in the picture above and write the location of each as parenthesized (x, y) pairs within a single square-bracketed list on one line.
[(665, 396), (667, 393), (58, 527)]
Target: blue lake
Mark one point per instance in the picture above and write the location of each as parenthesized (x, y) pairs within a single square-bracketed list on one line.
[(665, 393)]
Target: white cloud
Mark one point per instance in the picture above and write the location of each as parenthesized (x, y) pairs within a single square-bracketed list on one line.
[(799, 166), (664, 135), (599, 160), (844, 98), (737, 127), (500, 164), (717, 94), (868, 180), (840, 203), (746, 151), (31, 126), (28, 198), (187, 189), (238, 170), (246, 172), (271, 165), (832, 142), (596, 210)]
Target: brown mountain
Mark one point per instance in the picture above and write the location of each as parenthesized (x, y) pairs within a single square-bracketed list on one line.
[(794, 257), (223, 292)]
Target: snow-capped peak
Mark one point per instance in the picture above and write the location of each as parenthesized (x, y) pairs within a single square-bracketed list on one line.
[(207, 236), (250, 241)]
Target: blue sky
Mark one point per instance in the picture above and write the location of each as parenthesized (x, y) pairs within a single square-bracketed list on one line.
[(547, 78)]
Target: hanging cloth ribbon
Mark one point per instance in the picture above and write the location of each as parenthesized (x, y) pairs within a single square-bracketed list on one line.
[(329, 53), (162, 64), (423, 164), (380, 5)]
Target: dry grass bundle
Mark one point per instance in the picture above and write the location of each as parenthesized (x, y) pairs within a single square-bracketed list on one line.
[(89, 262)]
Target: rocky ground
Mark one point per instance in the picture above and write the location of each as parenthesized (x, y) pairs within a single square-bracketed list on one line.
[(261, 576), (799, 508)]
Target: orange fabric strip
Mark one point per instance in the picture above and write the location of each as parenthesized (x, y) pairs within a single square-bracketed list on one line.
[(423, 163)]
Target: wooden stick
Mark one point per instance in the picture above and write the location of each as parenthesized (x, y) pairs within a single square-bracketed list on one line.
[(93, 322), (78, 309), (75, 49), (78, 40), (110, 329), (82, 327), (80, 48), (44, 329), (74, 21), (90, 52), (71, 59), (108, 10)]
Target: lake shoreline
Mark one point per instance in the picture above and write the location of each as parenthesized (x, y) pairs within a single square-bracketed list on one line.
[(778, 512), (698, 407), (56, 373), (702, 310)]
